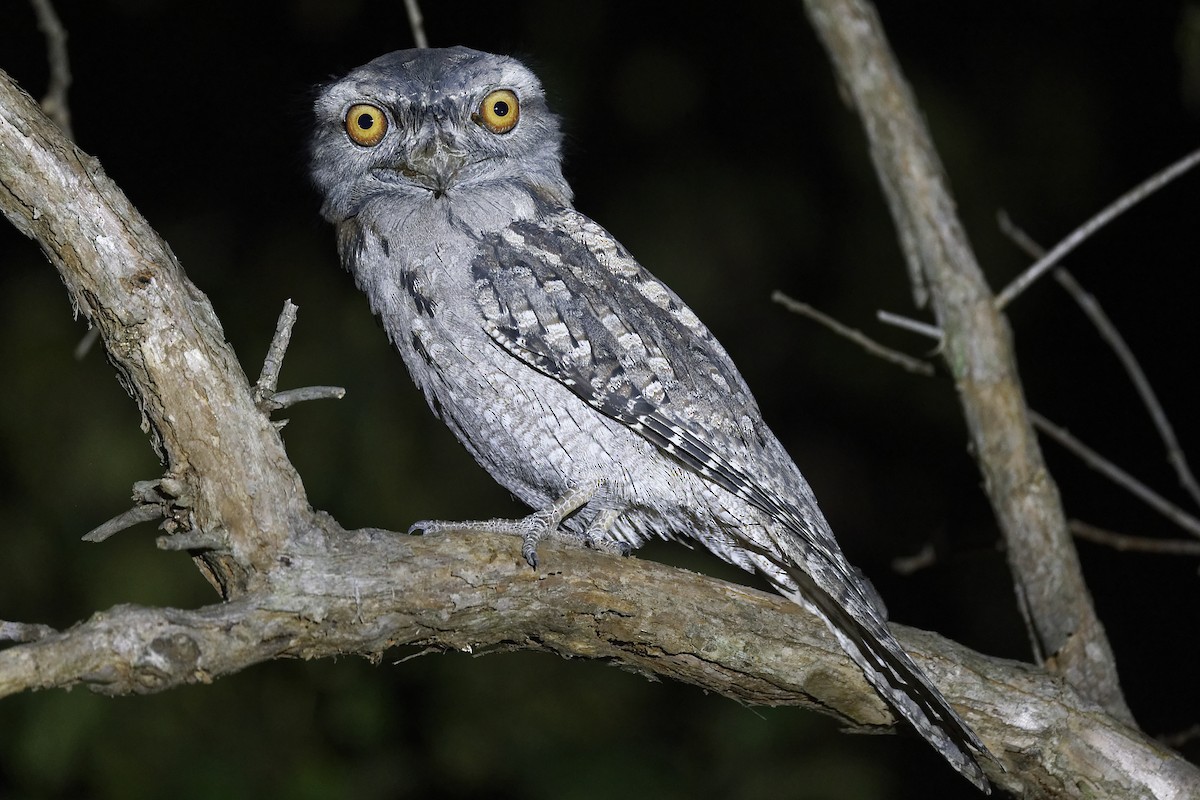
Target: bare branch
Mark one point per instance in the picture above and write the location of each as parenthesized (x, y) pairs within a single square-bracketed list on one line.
[(55, 102), (23, 632), (1080, 234), (909, 324), (268, 379), (417, 23), (266, 396), (977, 348), (337, 593), (858, 337), (1108, 331), (291, 397), (1125, 542), (134, 516), (1085, 453), (162, 336), (1117, 475)]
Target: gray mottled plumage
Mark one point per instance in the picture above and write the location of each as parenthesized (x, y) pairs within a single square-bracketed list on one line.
[(580, 382)]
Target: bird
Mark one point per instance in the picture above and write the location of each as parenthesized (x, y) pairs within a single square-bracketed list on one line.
[(582, 383)]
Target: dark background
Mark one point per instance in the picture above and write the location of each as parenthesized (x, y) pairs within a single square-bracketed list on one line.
[(711, 140)]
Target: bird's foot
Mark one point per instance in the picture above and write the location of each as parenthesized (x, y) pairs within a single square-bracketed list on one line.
[(537, 526), (596, 535), (531, 529), (622, 549)]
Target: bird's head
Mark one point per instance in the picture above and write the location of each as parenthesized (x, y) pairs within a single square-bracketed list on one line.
[(430, 124)]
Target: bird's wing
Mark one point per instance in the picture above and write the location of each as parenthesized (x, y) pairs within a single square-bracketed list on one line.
[(563, 296)]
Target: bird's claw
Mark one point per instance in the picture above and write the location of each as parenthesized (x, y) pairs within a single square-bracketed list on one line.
[(529, 549), (622, 549)]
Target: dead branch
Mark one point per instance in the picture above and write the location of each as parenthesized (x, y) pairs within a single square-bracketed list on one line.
[(1117, 475), (267, 396), (335, 592), (902, 360), (1059, 434), (1134, 544), (416, 23), (977, 348), (55, 102), (162, 337), (1109, 333), (1107, 215)]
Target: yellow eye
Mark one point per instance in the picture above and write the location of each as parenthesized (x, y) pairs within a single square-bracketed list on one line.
[(499, 111), (366, 124)]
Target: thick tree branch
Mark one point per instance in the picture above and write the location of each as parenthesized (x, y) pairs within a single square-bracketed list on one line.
[(336, 592), (299, 586), (162, 337), (978, 350)]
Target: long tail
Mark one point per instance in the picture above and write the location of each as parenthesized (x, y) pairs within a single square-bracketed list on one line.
[(806, 566), (863, 634)]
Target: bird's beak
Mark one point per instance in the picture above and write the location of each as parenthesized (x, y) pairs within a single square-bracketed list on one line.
[(434, 162)]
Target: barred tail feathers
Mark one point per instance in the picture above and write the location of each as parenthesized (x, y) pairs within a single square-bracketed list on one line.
[(864, 637)]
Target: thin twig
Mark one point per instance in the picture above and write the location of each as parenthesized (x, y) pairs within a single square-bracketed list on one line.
[(1177, 740), (909, 324), (265, 395), (923, 558), (417, 23), (1108, 331), (1080, 234), (134, 516), (86, 343), (1125, 542), (1116, 474), (24, 632), (268, 379), (291, 397), (871, 346), (54, 104), (424, 652), (1085, 453)]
